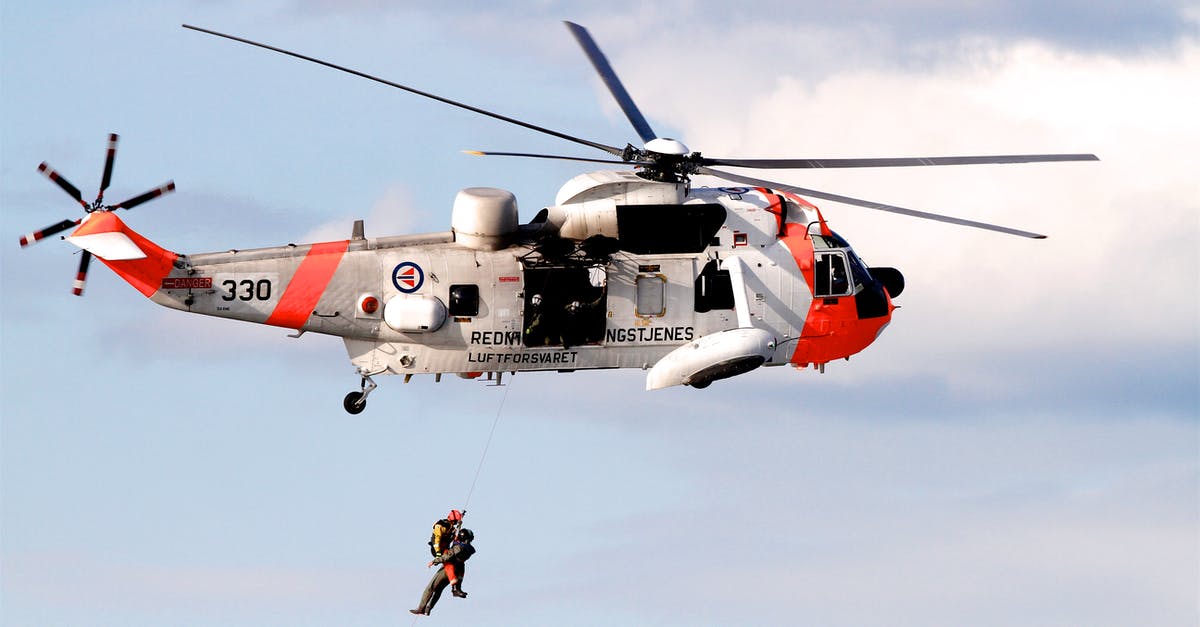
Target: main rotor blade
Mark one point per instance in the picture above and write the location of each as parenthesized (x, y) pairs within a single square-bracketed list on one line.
[(165, 188), (482, 153), (108, 165), (600, 62), (37, 236), (891, 162), (66, 185), (868, 203), (609, 149), (81, 275)]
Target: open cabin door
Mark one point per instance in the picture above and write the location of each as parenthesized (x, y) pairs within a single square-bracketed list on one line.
[(565, 306)]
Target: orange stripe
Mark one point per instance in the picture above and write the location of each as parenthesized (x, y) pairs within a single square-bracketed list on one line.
[(308, 284)]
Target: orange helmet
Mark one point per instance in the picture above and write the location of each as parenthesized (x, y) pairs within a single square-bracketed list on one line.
[(454, 515)]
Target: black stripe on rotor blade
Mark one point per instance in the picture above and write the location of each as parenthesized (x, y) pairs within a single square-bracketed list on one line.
[(869, 204), (609, 149), (609, 76), (109, 158), (168, 187), (47, 232), (892, 162), (66, 185), (81, 275), (483, 153)]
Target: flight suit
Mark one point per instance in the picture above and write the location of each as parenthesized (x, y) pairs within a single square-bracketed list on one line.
[(458, 553)]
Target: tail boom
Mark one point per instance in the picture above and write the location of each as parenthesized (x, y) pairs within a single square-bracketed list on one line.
[(142, 263)]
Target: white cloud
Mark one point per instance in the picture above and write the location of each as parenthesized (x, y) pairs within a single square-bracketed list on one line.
[(391, 214), (1120, 266)]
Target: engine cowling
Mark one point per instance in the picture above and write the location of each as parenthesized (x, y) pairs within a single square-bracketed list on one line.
[(712, 357), (583, 220)]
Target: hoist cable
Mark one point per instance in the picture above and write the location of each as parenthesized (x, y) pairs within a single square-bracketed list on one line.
[(482, 457), (479, 468)]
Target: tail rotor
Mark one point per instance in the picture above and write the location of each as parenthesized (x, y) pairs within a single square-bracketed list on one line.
[(96, 205), (81, 275), (62, 182), (48, 231)]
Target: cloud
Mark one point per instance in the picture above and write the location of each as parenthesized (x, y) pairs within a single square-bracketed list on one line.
[(392, 214), (1111, 24), (933, 521), (1120, 230)]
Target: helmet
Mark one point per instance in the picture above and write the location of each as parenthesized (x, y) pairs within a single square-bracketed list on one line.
[(454, 515), (466, 535), (536, 301)]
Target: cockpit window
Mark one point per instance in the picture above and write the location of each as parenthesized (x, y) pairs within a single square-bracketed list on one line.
[(858, 270), (831, 275)]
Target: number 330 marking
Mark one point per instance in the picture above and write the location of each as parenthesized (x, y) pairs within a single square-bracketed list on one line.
[(246, 290)]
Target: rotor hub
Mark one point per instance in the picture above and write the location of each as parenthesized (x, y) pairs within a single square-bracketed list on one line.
[(667, 146)]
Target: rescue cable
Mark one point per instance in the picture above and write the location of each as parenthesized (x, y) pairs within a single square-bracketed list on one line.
[(488, 445), (479, 468)]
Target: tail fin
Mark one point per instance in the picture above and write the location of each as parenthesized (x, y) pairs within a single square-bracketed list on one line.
[(142, 263)]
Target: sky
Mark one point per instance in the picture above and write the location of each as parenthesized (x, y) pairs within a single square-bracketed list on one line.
[(1020, 446)]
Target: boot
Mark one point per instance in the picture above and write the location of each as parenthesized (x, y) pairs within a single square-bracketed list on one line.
[(457, 591), (420, 611)]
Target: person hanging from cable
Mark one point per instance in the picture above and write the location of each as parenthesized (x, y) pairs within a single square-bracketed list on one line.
[(444, 531), (459, 551)]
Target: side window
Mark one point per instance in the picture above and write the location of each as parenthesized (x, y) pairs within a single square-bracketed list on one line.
[(830, 275), (651, 295), (714, 289), (464, 300)]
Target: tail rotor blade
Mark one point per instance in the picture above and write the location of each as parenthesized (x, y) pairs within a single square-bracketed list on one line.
[(166, 188), (81, 276), (66, 185), (108, 165), (47, 232)]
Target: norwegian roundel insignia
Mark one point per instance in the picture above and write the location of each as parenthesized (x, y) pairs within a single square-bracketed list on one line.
[(408, 277)]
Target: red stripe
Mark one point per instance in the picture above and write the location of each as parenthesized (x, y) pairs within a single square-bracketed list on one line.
[(308, 284)]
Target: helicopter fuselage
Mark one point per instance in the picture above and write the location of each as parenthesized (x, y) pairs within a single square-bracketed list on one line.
[(620, 273)]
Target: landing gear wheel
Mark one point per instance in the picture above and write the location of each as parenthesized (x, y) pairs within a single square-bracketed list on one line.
[(355, 402)]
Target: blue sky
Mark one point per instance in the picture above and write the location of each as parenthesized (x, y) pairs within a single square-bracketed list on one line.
[(1020, 446)]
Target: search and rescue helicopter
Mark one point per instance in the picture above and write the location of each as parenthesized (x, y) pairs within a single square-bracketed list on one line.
[(627, 269)]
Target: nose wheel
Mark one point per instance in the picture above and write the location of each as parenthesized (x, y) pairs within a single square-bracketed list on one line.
[(356, 402)]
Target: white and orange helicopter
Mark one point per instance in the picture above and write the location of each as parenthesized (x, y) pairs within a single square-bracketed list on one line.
[(627, 269)]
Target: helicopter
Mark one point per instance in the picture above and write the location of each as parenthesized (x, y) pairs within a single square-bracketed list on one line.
[(629, 268)]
